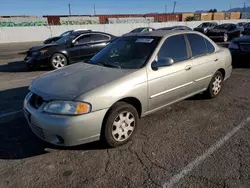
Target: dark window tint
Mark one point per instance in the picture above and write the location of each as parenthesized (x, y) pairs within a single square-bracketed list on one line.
[(198, 45), (84, 39), (99, 37), (174, 47), (210, 47)]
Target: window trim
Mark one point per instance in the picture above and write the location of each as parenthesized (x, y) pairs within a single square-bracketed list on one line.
[(100, 40), (190, 48), (80, 37), (90, 37), (186, 44)]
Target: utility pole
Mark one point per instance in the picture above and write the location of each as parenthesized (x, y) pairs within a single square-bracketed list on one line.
[(166, 9), (94, 10), (174, 7), (230, 7), (69, 10)]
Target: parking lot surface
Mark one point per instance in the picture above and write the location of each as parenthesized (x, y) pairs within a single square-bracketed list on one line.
[(194, 143)]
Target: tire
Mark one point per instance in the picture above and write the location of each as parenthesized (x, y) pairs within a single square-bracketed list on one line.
[(225, 37), (215, 85), (117, 132), (58, 61)]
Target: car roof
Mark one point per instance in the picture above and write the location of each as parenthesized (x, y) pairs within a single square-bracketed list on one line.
[(77, 33), (160, 33)]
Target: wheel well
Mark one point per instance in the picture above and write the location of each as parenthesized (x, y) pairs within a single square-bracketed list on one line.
[(134, 102), (223, 72), (130, 100)]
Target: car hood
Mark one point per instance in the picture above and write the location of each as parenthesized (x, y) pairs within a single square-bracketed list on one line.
[(243, 39), (72, 81), (36, 48)]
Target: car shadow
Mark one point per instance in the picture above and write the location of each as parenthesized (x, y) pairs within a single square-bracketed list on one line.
[(241, 63), (17, 141), (19, 66)]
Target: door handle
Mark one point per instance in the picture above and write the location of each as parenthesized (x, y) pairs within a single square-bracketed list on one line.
[(216, 59), (188, 67)]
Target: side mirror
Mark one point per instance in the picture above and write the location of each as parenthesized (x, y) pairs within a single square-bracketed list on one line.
[(163, 62)]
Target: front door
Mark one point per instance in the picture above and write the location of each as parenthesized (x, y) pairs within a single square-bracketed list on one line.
[(174, 82), (81, 49), (99, 41)]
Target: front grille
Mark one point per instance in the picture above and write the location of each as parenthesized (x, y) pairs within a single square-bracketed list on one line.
[(245, 47), (38, 131), (36, 101)]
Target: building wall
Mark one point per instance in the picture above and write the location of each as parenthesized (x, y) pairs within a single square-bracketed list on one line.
[(29, 34), (22, 21)]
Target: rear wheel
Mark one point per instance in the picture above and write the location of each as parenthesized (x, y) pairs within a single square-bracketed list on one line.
[(120, 125), (58, 61), (215, 85)]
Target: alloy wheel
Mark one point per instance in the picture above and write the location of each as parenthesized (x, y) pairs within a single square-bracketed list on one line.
[(59, 61)]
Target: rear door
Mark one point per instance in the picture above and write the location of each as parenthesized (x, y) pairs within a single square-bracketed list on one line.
[(204, 60)]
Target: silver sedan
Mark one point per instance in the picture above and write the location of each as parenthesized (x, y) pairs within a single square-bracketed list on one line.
[(132, 77)]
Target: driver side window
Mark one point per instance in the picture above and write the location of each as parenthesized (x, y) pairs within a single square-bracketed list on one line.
[(83, 39), (174, 47)]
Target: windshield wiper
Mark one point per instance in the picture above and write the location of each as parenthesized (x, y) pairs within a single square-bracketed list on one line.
[(111, 65), (103, 64)]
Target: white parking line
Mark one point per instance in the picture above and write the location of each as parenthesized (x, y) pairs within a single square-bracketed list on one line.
[(10, 114), (176, 178), (18, 80)]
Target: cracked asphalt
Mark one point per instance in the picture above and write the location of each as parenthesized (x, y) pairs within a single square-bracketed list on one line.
[(167, 141)]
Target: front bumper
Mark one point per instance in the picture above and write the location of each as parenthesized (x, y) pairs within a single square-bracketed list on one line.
[(36, 60), (64, 130)]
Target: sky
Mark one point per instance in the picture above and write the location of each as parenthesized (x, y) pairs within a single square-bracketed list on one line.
[(59, 7)]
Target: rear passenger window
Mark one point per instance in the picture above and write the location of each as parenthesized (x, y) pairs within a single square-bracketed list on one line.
[(198, 45), (210, 47), (99, 37), (174, 47)]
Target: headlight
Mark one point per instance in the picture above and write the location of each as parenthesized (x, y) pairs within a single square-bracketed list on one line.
[(35, 53), (67, 108), (233, 45), (43, 51)]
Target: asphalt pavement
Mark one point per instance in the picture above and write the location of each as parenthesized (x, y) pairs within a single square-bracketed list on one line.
[(195, 143)]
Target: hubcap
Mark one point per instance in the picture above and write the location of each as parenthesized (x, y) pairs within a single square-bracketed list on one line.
[(217, 85), (59, 61), (123, 126)]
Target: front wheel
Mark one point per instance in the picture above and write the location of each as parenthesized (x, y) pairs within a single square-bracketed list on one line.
[(215, 85), (58, 61), (120, 125), (225, 37)]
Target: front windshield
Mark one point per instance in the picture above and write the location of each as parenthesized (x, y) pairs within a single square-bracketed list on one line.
[(66, 33), (204, 25), (127, 52), (65, 39)]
